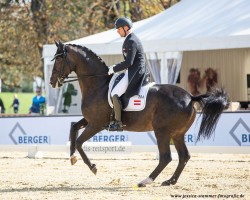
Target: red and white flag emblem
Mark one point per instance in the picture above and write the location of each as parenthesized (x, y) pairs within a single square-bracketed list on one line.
[(137, 102)]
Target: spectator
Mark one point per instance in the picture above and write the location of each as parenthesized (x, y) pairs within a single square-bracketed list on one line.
[(38, 103), (15, 104), (2, 108)]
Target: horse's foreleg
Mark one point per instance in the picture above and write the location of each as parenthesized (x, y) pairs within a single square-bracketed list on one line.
[(73, 134), (163, 142), (87, 134), (183, 159)]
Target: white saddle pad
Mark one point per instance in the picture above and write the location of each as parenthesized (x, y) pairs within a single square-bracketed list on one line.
[(137, 102)]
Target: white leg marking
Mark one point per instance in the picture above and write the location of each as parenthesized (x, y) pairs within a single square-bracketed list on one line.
[(147, 181)]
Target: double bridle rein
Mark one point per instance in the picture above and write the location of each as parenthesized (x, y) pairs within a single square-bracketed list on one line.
[(63, 76)]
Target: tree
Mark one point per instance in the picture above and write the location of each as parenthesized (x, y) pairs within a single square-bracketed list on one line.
[(19, 56), (38, 9), (25, 26)]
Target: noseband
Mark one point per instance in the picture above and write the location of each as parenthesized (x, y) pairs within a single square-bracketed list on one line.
[(61, 73)]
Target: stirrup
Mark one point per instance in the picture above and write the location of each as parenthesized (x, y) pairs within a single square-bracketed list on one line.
[(115, 126)]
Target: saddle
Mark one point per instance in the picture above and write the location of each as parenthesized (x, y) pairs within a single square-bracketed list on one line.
[(136, 102)]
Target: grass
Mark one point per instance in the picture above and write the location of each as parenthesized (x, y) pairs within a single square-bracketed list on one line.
[(25, 100)]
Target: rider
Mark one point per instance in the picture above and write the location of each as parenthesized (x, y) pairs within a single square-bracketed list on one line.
[(133, 67)]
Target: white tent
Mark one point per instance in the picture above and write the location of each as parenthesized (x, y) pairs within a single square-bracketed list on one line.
[(187, 26)]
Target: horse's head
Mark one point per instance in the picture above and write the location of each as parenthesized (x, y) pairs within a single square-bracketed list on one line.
[(81, 60), (61, 68)]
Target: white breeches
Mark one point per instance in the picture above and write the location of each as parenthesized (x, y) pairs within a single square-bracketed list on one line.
[(122, 86)]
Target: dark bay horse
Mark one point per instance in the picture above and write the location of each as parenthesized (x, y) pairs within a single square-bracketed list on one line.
[(169, 111)]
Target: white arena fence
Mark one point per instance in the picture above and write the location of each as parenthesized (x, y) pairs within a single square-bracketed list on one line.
[(51, 133)]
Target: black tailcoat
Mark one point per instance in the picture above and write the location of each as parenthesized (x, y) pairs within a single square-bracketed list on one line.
[(134, 61)]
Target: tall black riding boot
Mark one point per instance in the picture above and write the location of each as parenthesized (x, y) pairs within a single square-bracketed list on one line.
[(117, 125)]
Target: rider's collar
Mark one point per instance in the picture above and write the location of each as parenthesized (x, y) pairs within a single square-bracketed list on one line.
[(127, 35)]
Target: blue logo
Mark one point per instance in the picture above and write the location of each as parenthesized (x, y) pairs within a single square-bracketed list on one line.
[(241, 136), (19, 136)]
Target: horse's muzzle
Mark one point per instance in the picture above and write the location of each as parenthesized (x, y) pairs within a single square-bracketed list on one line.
[(52, 84), (56, 84)]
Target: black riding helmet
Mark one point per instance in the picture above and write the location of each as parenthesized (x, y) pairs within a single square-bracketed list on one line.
[(123, 21)]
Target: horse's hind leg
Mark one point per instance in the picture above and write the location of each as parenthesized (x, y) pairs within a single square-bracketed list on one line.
[(183, 158), (73, 132), (163, 142)]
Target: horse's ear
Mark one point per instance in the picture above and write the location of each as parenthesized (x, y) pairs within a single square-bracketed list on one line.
[(57, 44), (60, 45)]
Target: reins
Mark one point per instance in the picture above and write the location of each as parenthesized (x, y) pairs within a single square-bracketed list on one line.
[(84, 76), (75, 78)]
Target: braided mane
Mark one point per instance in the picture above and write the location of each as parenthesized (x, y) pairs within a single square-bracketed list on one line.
[(88, 51)]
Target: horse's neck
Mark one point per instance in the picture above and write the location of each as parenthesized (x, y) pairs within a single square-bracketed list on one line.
[(92, 79), (93, 85), (92, 75)]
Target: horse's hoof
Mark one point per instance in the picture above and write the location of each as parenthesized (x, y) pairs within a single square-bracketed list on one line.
[(94, 169), (165, 183), (146, 181), (168, 183), (73, 159), (141, 185)]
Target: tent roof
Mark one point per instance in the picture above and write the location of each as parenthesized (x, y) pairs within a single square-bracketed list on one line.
[(186, 26)]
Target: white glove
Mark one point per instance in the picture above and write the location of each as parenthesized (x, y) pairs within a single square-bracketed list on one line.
[(111, 70)]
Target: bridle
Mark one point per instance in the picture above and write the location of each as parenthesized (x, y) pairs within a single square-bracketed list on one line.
[(61, 76)]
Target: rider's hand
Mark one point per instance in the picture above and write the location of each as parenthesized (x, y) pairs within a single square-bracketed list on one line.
[(111, 70)]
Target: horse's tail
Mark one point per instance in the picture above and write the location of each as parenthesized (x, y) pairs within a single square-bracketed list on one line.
[(213, 104)]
